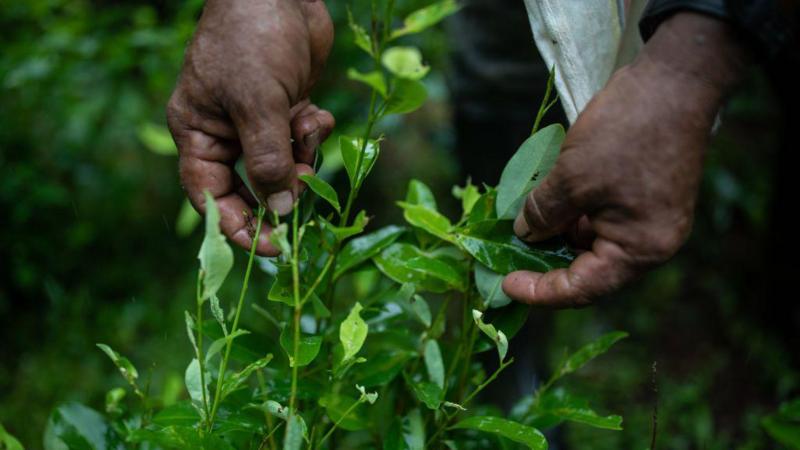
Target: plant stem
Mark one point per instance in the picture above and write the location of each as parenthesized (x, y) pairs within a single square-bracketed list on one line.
[(228, 345), (544, 106), (298, 306), (336, 424), (483, 385), (200, 359)]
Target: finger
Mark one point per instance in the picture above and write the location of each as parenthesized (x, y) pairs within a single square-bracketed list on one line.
[(206, 165), (590, 275), (581, 234), (310, 127), (265, 137), (320, 28), (298, 187), (547, 211)]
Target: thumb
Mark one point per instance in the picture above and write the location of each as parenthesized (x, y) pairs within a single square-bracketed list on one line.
[(265, 135), (547, 211)]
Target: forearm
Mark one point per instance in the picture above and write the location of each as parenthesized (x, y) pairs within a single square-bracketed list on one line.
[(700, 56)]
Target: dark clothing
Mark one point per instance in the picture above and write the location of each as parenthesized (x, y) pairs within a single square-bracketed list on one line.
[(770, 26)]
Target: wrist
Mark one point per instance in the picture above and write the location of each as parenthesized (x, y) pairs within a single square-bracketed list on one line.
[(696, 50)]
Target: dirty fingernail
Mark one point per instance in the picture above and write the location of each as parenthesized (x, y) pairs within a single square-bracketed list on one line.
[(521, 227), (281, 202), (312, 140)]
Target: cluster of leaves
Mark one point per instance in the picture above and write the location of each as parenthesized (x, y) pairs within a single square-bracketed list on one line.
[(784, 424), (374, 335)]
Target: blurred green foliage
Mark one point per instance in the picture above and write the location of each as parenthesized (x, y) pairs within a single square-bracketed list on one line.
[(89, 252)]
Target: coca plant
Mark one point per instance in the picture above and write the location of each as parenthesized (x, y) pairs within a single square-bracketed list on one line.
[(373, 336)]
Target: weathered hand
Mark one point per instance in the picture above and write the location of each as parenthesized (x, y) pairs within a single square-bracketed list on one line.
[(624, 186), (244, 91)]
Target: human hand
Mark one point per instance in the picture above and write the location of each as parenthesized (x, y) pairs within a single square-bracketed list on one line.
[(624, 186), (244, 91)]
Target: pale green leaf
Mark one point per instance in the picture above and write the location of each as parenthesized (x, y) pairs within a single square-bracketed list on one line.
[(342, 233), (195, 387), (353, 332), (426, 17), (372, 79), (441, 268), (279, 237), (190, 329), (421, 309), (218, 313), (489, 285), (216, 256), (361, 37), (126, 368), (235, 380), (187, 220), (157, 139), (295, 431), (428, 220), (414, 430), (469, 196), (9, 442), (405, 62), (434, 363)]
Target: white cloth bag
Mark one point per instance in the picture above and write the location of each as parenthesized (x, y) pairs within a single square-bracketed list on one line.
[(585, 40)]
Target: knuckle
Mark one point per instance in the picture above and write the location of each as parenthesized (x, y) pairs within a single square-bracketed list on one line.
[(269, 168), (663, 245)]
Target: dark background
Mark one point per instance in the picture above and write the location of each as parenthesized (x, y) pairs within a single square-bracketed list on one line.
[(89, 250)]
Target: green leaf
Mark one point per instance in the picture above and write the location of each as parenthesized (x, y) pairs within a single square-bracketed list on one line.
[(282, 289), (361, 37), (405, 62), (528, 436), (489, 330), (365, 247), (307, 349), (489, 285), (784, 425), (469, 196), (589, 352), (505, 258), (7, 441), (126, 368), (342, 233), (428, 220), (353, 332), (76, 427), (323, 189), (179, 414), (157, 139), (485, 208), (441, 269), (235, 380), (220, 343), (351, 148), (218, 313), (382, 367), (372, 79), (428, 393), (392, 261), (295, 430), (532, 161), (406, 96), (558, 403), (421, 309), (426, 17), (216, 257), (337, 404), (279, 237), (414, 430), (195, 387), (187, 220), (420, 194), (434, 363)]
